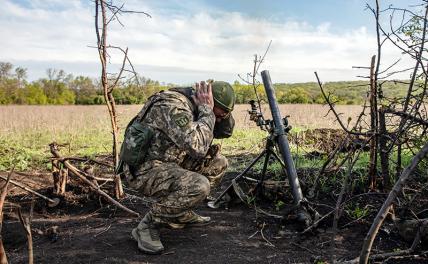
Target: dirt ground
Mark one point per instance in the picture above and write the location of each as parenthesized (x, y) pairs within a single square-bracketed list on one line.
[(91, 231)]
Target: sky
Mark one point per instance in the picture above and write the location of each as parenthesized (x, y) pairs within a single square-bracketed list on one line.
[(193, 40)]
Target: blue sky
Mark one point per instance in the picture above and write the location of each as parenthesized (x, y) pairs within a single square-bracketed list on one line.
[(192, 40)]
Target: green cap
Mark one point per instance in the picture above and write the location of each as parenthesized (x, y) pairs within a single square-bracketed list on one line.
[(223, 94)]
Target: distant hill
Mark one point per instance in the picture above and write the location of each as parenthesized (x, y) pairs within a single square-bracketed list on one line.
[(347, 92), (343, 92)]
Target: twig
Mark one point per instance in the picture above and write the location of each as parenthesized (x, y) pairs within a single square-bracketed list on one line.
[(269, 214), (87, 160), (380, 217), (315, 224), (339, 204), (26, 224), (406, 115), (255, 233), (3, 257), (105, 230), (330, 104), (263, 236), (53, 202), (304, 248)]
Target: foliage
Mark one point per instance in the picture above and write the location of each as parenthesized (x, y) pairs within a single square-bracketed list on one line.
[(357, 212), (62, 88)]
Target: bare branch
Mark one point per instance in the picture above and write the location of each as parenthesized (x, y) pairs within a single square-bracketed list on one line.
[(331, 105), (380, 217)]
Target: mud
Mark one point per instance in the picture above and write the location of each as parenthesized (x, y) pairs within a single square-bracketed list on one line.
[(84, 229)]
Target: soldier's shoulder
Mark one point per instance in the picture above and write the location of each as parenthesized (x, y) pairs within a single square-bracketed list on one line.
[(173, 98)]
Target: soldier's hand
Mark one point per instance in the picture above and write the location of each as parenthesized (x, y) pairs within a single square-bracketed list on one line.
[(203, 94)]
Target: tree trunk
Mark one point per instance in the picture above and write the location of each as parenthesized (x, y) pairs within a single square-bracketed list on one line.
[(108, 96)]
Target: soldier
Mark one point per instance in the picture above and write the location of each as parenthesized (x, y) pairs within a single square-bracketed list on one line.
[(177, 128)]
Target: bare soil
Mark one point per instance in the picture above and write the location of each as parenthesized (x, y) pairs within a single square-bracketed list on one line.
[(84, 229)]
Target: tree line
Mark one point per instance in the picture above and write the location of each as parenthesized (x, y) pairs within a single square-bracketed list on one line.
[(58, 87)]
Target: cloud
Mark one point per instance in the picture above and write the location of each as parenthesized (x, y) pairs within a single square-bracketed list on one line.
[(217, 42)]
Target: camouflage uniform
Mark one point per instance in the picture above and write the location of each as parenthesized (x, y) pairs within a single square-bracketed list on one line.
[(181, 165)]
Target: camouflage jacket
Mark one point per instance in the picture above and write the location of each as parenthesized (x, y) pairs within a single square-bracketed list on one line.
[(177, 131), (180, 127)]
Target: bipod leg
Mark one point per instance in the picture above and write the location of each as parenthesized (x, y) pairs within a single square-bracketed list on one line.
[(259, 187), (280, 160), (215, 203)]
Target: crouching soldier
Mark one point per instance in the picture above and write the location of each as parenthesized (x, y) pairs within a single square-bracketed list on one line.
[(168, 154)]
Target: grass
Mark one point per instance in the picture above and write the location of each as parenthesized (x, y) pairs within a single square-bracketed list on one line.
[(26, 132)]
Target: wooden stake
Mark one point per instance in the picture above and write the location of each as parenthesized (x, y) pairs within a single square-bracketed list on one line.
[(56, 176), (63, 180), (118, 187), (373, 125)]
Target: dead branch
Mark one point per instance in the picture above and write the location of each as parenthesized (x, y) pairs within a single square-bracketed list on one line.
[(331, 106), (339, 205), (374, 112), (380, 217), (383, 150), (304, 248), (102, 7), (52, 202), (119, 10), (407, 116), (261, 211), (26, 224), (102, 51), (330, 158), (263, 236), (80, 175), (3, 257), (87, 160), (315, 224)]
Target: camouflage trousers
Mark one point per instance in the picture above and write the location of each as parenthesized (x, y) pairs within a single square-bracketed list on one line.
[(177, 188)]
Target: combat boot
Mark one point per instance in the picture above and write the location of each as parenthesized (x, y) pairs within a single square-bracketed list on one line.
[(190, 219), (147, 235)]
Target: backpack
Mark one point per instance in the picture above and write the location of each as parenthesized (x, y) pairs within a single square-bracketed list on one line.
[(137, 138)]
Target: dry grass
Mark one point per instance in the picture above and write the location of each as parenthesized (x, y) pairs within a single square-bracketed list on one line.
[(305, 116), (57, 120), (26, 131)]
